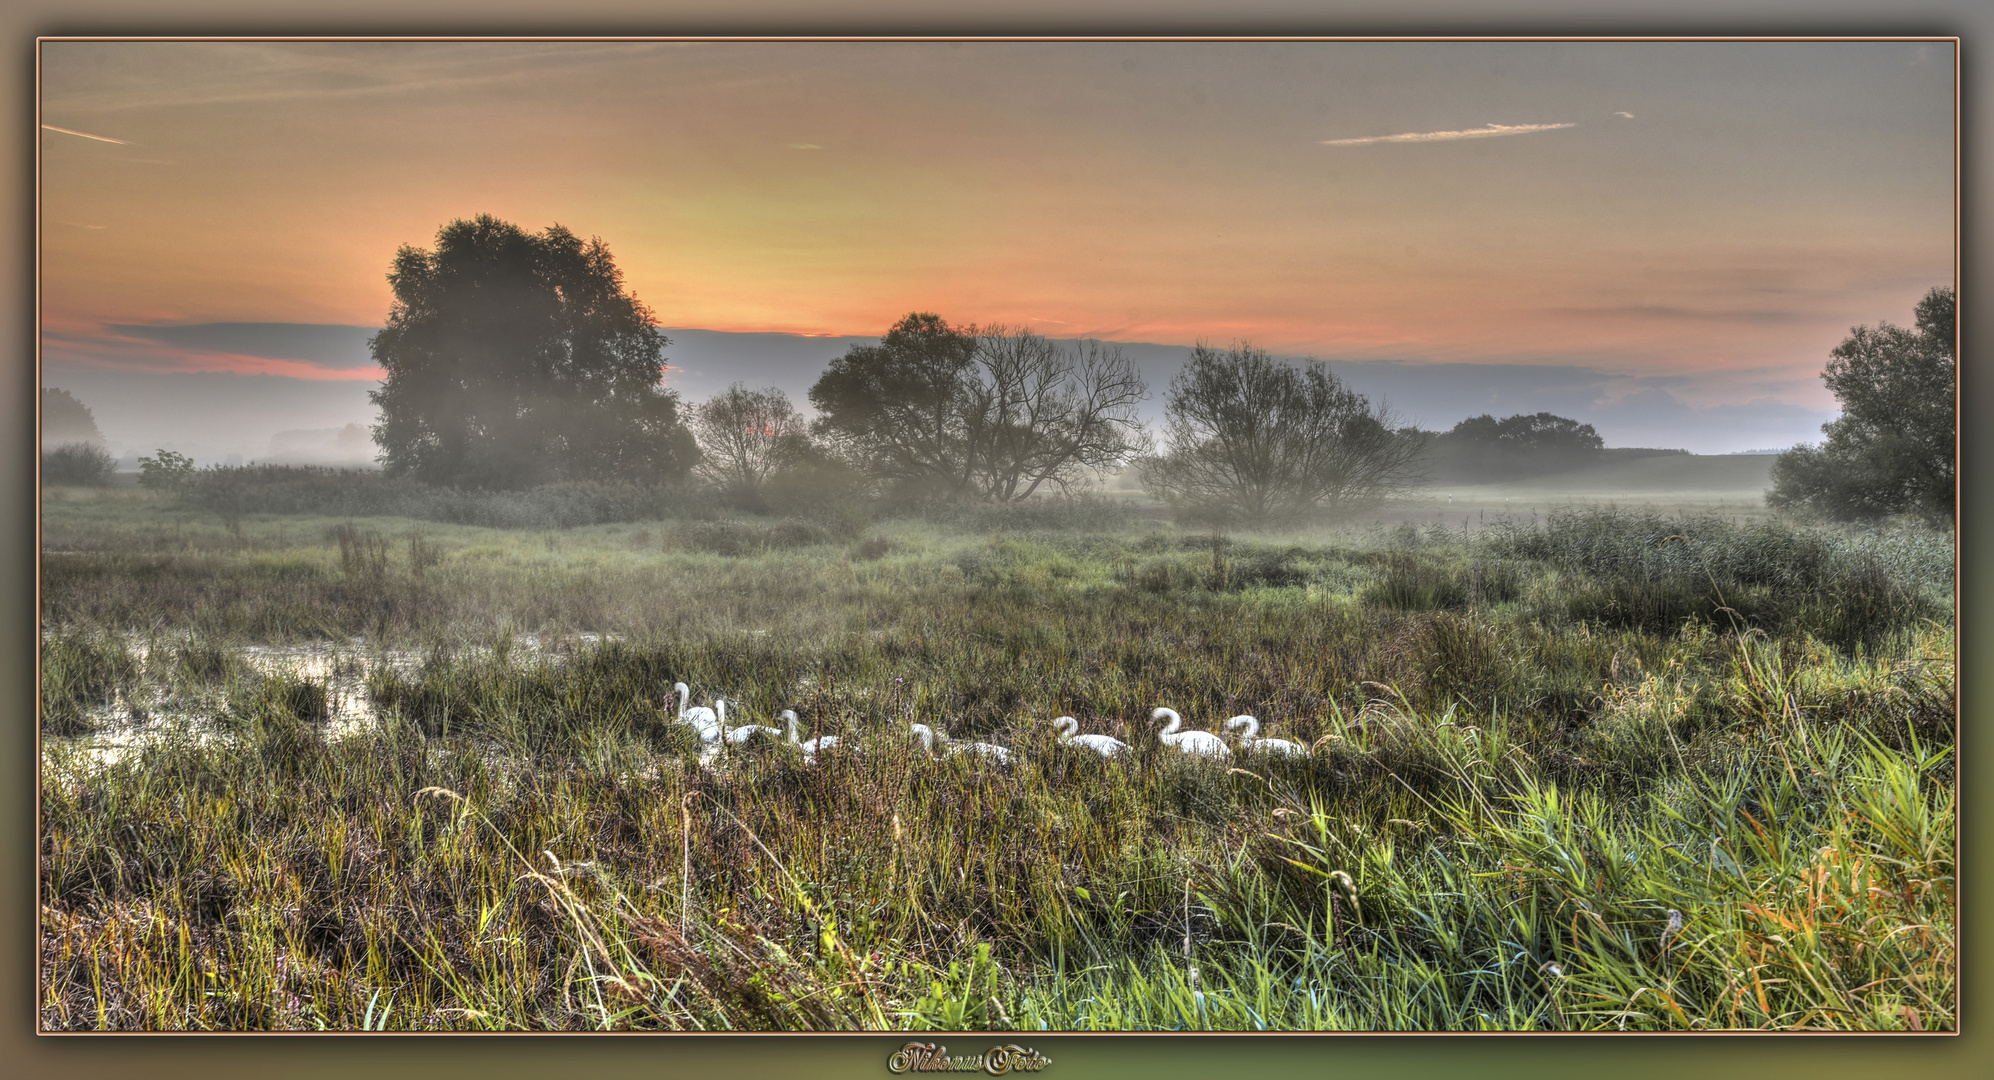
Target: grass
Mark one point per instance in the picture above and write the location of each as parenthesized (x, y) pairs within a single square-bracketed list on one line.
[(1527, 807)]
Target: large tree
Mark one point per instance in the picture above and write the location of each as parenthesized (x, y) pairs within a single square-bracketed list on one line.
[(997, 413), (1892, 449), (516, 358), (1255, 440)]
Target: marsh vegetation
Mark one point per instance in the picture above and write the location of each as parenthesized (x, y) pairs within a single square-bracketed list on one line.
[(1606, 769)]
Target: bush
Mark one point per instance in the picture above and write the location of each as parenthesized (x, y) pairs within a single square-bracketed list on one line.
[(168, 471), (82, 464)]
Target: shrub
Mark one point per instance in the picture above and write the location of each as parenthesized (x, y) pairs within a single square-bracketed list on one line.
[(82, 464), (168, 471)]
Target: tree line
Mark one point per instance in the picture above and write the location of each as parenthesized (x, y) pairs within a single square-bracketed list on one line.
[(515, 359)]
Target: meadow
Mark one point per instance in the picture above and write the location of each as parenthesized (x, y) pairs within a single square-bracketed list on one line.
[(307, 765)]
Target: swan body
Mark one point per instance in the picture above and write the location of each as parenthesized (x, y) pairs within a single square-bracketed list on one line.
[(702, 719), (1105, 745), (929, 736), (812, 748), (1248, 743), (1190, 742), (999, 754), (742, 734)]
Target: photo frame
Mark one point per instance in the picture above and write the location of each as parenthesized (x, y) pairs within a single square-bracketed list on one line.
[(864, 1055)]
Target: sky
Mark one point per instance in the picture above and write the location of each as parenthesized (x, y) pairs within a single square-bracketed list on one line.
[(1664, 239)]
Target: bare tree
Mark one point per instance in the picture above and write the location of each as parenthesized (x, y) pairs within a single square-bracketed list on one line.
[(1256, 438), (745, 436), (1040, 413)]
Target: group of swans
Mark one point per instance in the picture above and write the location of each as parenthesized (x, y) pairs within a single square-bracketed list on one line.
[(711, 726), (1210, 745)]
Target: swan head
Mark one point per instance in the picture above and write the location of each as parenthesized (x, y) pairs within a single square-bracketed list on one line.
[(1251, 725), (1066, 726), (1167, 714)]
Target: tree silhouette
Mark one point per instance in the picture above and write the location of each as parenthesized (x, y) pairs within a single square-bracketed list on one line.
[(1892, 449), (998, 413), (66, 420), (1256, 438), (517, 358)]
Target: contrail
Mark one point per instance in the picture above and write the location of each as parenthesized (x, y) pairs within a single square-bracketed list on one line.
[(1443, 136), (85, 134)]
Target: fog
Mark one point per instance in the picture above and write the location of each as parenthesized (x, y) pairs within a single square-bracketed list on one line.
[(220, 417)]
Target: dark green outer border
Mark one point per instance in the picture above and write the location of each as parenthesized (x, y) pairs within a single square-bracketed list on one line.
[(1110, 1057)]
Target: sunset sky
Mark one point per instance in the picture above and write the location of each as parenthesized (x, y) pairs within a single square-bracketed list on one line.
[(1684, 229)]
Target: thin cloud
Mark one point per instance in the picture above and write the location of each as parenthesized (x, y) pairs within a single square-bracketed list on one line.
[(1445, 136), (1628, 115), (803, 146), (85, 134)]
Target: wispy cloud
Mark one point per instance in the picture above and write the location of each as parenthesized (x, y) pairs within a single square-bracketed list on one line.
[(803, 146), (1628, 115), (85, 135), (1444, 136)]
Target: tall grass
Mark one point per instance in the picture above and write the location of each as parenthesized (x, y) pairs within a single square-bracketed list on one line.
[(1515, 815)]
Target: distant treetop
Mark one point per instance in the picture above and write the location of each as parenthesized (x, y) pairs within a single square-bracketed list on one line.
[(66, 420)]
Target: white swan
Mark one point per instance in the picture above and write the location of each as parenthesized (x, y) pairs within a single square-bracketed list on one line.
[(927, 736), (1191, 742), (1104, 745), (999, 754), (745, 732), (1248, 743), (701, 719), (812, 748)]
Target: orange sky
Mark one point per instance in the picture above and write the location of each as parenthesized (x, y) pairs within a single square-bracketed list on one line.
[(1721, 211)]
